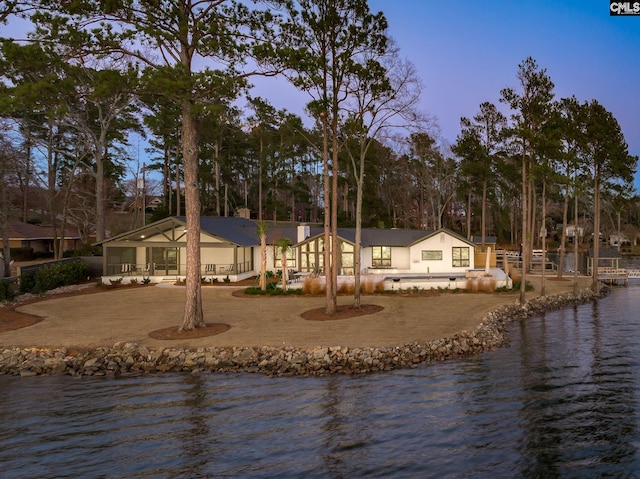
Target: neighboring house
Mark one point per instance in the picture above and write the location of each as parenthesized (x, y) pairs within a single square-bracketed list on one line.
[(230, 247), (572, 230), (616, 239), (38, 238)]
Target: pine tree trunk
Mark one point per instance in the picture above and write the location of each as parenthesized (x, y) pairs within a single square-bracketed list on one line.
[(193, 314), (563, 237)]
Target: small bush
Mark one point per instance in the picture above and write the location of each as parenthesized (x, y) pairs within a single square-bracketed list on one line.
[(515, 275), (347, 288), (313, 286), (227, 279), (27, 283), (6, 291), (272, 291), (367, 287), (516, 286), (133, 281), (117, 281), (146, 280)]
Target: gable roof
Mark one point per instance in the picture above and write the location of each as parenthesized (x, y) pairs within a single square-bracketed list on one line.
[(383, 237), (390, 237), (243, 232)]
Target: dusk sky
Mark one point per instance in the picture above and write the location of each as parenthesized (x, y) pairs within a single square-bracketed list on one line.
[(468, 50)]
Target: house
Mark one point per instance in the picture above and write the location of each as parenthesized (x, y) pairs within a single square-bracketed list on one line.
[(230, 247), (619, 239), (573, 231), (39, 238)]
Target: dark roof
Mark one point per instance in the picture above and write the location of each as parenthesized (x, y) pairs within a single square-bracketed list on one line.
[(26, 231), (383, 237), (477, 239), (605, 253), (242, 232)]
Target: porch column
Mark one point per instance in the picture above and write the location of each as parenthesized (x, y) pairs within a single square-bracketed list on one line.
[(235, 260)]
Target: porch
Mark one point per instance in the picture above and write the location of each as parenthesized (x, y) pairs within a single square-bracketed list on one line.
[(166, 272)]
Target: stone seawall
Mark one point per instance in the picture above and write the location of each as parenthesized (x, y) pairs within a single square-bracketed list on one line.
[(130, 358)]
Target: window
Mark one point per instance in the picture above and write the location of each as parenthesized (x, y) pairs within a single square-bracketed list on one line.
[(431, 255), (460, 257), (381, 256), (291, 258)]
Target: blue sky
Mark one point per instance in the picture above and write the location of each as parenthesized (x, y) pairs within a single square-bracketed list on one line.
[(466, 51)]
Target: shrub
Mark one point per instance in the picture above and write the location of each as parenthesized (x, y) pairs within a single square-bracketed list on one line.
[(6, 291), (347, 288), (367, 287), (133, 281), (27, 282), (516, 286), (515, 275), (54, 276), (117, 281), (146, 280), (272, 291), (227, 279), (312, 286)]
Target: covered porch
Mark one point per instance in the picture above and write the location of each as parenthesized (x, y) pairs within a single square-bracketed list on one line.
[(157, 253)]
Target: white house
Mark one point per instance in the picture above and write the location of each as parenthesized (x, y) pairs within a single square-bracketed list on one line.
[(230, 248)]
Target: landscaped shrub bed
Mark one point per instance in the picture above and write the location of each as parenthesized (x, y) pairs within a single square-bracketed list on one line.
[(54, 276)]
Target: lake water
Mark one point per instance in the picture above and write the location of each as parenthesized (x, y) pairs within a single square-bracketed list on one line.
[(562, 401)]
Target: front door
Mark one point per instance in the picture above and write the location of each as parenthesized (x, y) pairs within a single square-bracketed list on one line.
[(165, 260)]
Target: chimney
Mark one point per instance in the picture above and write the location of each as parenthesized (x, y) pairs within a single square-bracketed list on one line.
[(304, 231)]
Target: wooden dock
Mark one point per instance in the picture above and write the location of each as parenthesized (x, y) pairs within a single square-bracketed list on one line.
[(613, 275)]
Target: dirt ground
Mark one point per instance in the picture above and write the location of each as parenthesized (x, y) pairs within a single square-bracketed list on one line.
[(151, 315)]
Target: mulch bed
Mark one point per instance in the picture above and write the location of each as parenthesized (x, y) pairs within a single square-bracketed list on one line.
[(171, 333), (12, 319), (345, 311)]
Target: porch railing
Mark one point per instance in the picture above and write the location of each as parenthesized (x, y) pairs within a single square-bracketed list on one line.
[(161, 269)]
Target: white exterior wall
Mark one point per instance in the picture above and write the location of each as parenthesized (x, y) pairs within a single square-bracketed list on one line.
[(440, 242), (257, 261), (400, 258), (365, 259)]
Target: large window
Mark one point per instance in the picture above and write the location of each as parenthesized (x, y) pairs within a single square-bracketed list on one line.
[(431, 255), (312, 255), (460, 257), (381, 256), (291, 257)]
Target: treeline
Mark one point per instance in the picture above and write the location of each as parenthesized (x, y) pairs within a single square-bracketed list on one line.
[(69, 119), (90, 74)]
